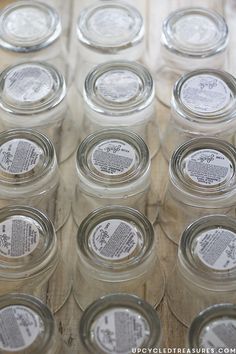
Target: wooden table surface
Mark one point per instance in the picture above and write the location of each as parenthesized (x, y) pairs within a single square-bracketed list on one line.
[(174, 333)]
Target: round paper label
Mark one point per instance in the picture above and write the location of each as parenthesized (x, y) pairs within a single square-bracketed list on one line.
[(208, 167), (219, 334), (205, 94), (113, 157)]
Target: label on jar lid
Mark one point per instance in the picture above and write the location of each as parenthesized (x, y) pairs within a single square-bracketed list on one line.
[(114, 239), (113, 157), (216, 248), (19, 156), (219, 334), (208, 167), (120, 330), (205, 94), (28, 83), (19, 327), (18, 237)]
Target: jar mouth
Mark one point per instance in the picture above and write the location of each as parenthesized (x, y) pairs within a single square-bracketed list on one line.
[(207, 249), (110, 28), (118, 88), (204, 168), (112, 158), (31, 88), (115, 240), (28, 245), (215, 323), (27, 27), (195, 33), (126, 308), (205, 97), (42, 327), (26, 156)]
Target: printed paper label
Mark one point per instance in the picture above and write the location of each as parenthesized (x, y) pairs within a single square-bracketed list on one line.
[(219, 334)]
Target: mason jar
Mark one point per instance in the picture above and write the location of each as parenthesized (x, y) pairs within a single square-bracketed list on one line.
[(214, 328), (34, 95), (28, 326), (192, 38), (121, 94), (117, 253), (29, 174), (31, 30), (205, 273), (30, 258), (203, 103), (108, 30), (113, 168), (129, 322), (202, 181)]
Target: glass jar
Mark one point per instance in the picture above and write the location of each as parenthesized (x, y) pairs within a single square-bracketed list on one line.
[(117, 252), (119, 324), (30, 259), (29, 174), (214, 328), (28, 326), (113, 167), (121, 95), (202, 181), (203, 103), (108, 30), (192, 38), (205, 273), (33, 95), (31, 30)]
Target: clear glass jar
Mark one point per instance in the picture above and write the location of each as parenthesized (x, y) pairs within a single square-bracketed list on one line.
[(113, 168), (121, 95), (192, 38), (203, 103), (202, 181), (108, 30), (31, 30), (214, 328), (33, 95), (28, 326), (29, 174), (128, 321), (30, 258), (117, 253), (205, 273)]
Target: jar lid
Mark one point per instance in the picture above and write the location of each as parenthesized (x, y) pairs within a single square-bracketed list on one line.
[(118, 89), (110, 27), (27, 26), (28, 244), (111, 160), (26, 324), (112, 241), (214, 328), (30, 88), (195, 32), (118, 323)]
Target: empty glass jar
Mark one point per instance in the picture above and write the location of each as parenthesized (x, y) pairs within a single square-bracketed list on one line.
[(113, 167), (203, 103), (30, 259), (121, 95), (117, 252), (27, 326), (205, 273), (202, 181), (33, 95), (192, 38), (29, 174), (214, 328), (119, 324), (108, 30)]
